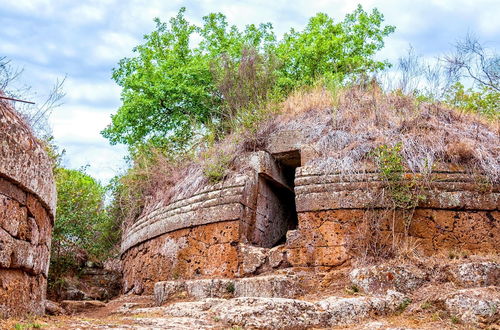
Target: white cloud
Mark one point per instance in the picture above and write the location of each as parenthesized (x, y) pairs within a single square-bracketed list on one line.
[(84, 91), (113, 46)]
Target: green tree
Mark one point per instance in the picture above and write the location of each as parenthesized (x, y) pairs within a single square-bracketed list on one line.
[(168, 88), (82, 230), (171, 92), (484, 100), (325, 49)]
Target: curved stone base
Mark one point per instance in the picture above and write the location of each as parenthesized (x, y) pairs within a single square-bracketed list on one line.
[(21, 293), (323, 237), (203, 251), (25, 232)]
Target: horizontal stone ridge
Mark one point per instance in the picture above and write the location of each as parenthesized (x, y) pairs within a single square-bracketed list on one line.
[(25, 239), (317, 191), (284, 286), (216, 203), (24, 160)]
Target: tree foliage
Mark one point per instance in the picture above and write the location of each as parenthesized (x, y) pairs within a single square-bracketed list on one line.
[(171, 91), (83, 230), (327, 48), (484, 100)]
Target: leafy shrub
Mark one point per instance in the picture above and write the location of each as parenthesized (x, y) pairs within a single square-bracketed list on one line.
[(485, 101), (83, 230), (173, 91), (403, 192), (216, 166)]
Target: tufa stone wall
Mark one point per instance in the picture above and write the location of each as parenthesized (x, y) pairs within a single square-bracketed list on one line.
[(27, 206), (282, 213), (458, 213)]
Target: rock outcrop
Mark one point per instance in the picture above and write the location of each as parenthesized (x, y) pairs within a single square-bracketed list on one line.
[(27, 209)]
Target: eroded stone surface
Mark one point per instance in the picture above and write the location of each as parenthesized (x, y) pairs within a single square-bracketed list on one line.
[(27, 205), (259, 286), (351, 310), (79, 306), (478, 306), (269, 313), (252, 258), (476, 274), (53, 308), (209, 250), (24, 159), (380, 278)]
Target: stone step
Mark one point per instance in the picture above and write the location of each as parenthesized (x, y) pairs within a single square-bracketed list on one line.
[(272, 313), (269, 286)]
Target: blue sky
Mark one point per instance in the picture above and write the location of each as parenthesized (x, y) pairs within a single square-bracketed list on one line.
[(84, 40)]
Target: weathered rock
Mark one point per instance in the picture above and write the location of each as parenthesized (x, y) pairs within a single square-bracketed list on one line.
[(166, 290), (92, 283), (79, 306), (210, 250), (269, 313), (53, 308), (277, 257), (195, 309), (380, 278), (281, 286), (476, 274), (174, 323), (259, 286), (27, 205), (72, 293), (252, 258), (209, 288), (352, 310), (479, 306)]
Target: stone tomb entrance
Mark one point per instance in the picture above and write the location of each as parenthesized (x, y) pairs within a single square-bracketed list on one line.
[(276, 212)]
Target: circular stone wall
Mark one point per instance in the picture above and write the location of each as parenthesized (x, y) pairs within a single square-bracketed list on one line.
[(27, 206), (460, 213)]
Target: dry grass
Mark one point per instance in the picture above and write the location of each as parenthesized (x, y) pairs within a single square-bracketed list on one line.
[(305, 100), (366, 118), (344, 127)]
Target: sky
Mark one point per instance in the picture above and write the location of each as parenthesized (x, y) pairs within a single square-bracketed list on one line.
[(83, 40)]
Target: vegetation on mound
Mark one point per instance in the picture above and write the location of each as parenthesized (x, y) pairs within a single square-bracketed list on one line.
[(173, 91), (191, 112), (349, 128)]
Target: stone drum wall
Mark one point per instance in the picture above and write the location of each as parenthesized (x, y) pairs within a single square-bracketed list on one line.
[(190, 237), (282, 212), (459, 213), (27, 206)]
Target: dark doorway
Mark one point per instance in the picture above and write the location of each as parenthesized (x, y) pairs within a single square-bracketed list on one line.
[(276, 211)]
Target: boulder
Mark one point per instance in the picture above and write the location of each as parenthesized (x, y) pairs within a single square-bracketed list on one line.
[(79, 306), (351, 310), (53, 308), (252, 258), (476, 274), (380, 278), (479, 306), (269, 313)]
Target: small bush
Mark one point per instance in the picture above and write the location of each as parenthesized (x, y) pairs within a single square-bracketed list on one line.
[(352, 289), (215, 167), (426, 305), (455, 319), (230, 288), (403, 305)]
